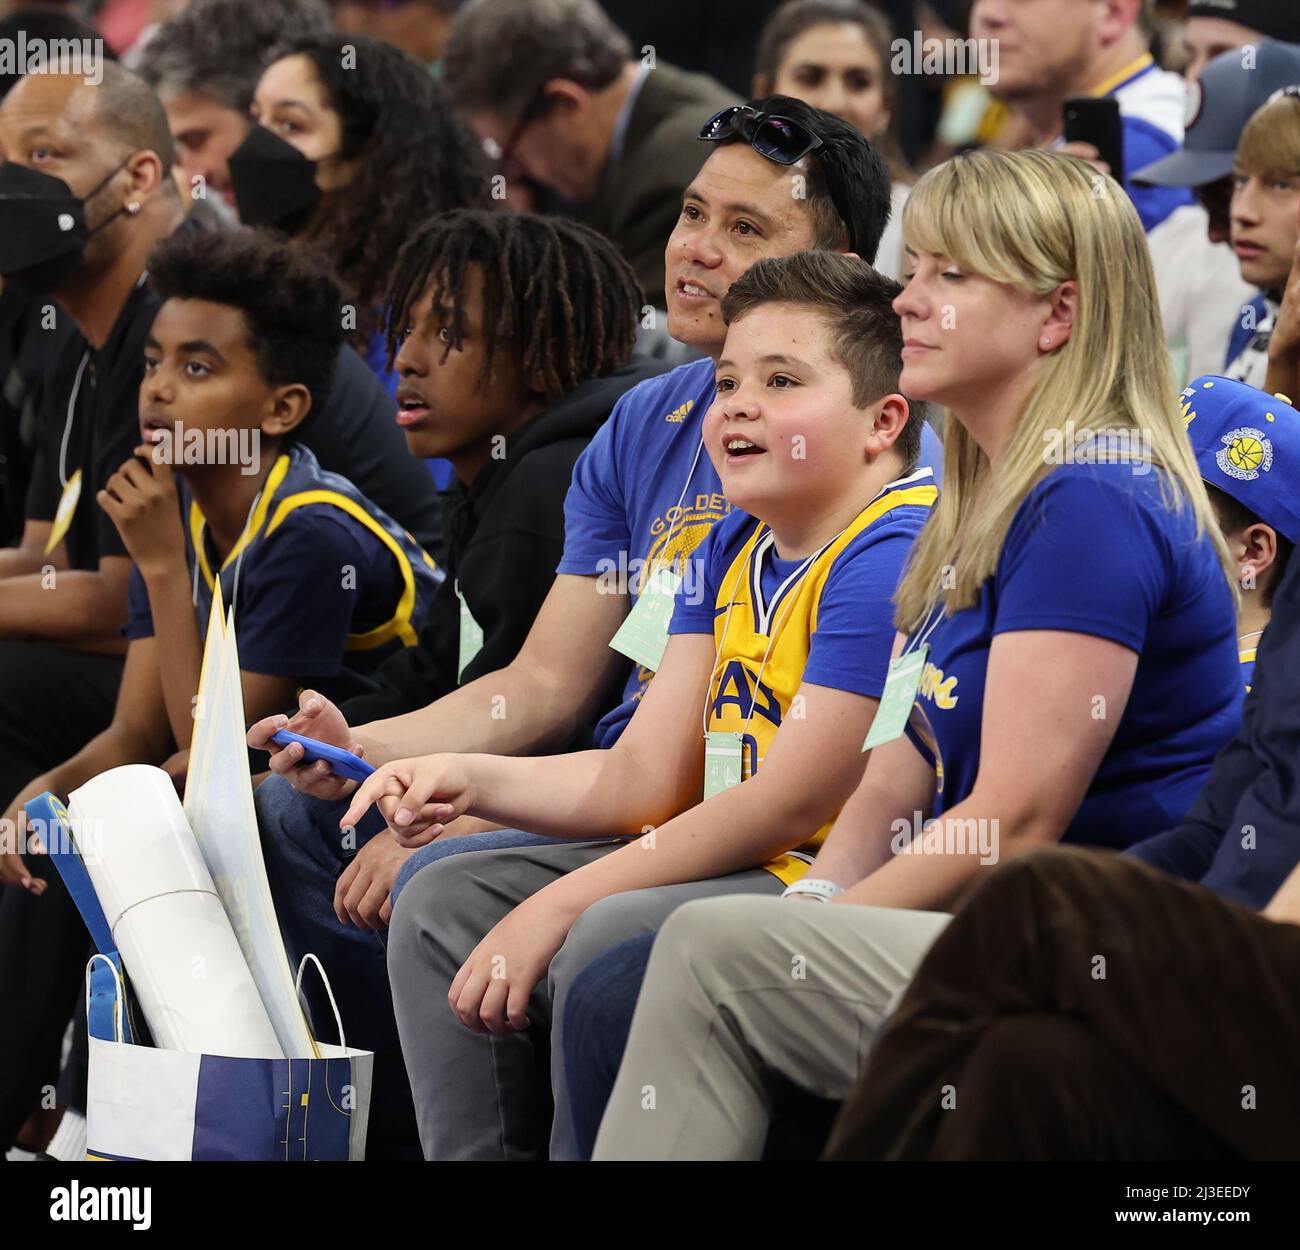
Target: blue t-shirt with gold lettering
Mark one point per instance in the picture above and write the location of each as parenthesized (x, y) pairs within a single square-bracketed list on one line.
[(1096, 549)]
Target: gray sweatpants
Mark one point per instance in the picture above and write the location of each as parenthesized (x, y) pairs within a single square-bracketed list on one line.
[(484, 1097)]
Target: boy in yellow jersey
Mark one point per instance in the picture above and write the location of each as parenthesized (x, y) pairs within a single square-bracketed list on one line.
[(1247, 446), (744, 748)]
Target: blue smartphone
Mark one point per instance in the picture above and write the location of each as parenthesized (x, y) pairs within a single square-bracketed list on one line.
[(341, 763)]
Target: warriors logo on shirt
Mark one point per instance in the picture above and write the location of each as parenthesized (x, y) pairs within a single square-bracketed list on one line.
[(1246, 453), (676, 534)]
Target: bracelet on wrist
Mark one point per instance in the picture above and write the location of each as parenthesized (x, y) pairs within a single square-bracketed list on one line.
[(814, 887)]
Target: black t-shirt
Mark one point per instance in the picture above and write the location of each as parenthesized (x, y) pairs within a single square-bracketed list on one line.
[(102, 430), (22, 363)]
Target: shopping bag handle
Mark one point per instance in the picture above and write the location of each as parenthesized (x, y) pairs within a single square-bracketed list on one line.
[(297, 989), (66, 857), (118, 995)]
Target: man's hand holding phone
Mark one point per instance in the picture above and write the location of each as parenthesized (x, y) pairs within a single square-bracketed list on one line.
[(316, 718)]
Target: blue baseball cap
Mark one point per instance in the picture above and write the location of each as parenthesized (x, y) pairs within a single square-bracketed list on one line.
[(1231, 88), (1247, 444)]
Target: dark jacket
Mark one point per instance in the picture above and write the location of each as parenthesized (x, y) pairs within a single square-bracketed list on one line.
[(1242, 835), (505, 536), (640, 196)]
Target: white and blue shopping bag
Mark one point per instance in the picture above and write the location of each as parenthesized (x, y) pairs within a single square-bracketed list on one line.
[(148, 1103)]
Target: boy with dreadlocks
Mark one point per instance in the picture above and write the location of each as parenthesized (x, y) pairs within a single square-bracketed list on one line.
[(512, 338)]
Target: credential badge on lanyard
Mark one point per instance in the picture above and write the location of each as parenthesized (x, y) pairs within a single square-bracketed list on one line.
[(901, 685), (724, 751), (643, 636), (471, 635)]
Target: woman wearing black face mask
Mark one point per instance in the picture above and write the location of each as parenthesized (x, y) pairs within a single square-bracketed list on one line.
[(355, 146)]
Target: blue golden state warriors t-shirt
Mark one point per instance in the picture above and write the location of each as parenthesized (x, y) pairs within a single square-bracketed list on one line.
[(826, 620), (645, 492), (1094, 549), (328, 585)]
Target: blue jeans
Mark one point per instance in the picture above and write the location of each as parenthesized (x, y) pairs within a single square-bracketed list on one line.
[(597, 1021), (305, 856)]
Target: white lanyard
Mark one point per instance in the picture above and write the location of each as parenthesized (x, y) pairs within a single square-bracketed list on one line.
[(755, 558), (72, 405), (686, 485), (239, 559), (928, 626), (67, 424)]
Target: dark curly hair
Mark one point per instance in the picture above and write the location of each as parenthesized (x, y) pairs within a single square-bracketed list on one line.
[(559, 294), (416, 158), (290, 300)]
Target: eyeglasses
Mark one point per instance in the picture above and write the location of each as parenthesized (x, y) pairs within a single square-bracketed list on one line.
[(536, 106), (778, 138)]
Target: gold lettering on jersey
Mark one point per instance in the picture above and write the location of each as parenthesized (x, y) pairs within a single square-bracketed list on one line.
[(680, 413), (938, 688)]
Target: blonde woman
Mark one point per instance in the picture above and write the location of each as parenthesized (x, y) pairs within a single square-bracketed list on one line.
[(1068, 621)]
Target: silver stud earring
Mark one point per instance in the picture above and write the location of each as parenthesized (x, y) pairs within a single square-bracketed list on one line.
[(1047, 342), (133, 207)]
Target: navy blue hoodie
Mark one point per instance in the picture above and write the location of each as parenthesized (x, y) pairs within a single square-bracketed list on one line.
[(1241, 837)]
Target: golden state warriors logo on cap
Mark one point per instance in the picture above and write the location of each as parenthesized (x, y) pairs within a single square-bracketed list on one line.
[(1246, 453)]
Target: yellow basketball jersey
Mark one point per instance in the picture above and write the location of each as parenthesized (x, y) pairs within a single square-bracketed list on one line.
[(753, 637)]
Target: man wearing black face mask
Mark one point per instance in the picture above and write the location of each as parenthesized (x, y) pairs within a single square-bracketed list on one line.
[(85, 194)]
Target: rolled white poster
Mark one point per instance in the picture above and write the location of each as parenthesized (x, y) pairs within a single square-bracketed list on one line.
[(176, 942)]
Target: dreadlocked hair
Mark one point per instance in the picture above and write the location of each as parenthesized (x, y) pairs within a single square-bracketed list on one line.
[(383, 98), (559, 294)]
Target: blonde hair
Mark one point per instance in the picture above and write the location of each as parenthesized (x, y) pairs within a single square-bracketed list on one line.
[(1270, 142), (1034, 220)]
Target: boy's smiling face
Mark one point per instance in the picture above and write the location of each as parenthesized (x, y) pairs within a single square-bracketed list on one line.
[(783, 430), (202, 372)]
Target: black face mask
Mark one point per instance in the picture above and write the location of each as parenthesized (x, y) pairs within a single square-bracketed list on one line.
[(43, 227), (274, 183)]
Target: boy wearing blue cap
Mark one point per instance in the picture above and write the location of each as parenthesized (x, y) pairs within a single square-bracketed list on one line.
[(1247, 445)]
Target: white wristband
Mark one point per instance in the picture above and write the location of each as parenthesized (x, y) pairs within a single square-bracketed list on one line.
[(821, 890)]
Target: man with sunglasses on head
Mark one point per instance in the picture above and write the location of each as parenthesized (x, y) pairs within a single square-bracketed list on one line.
[(555, 87), (777, 177)]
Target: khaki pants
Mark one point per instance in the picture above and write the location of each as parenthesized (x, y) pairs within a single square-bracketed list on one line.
[(737, 988)]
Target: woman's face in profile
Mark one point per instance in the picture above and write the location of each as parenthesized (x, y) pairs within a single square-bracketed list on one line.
[(963, 334)]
